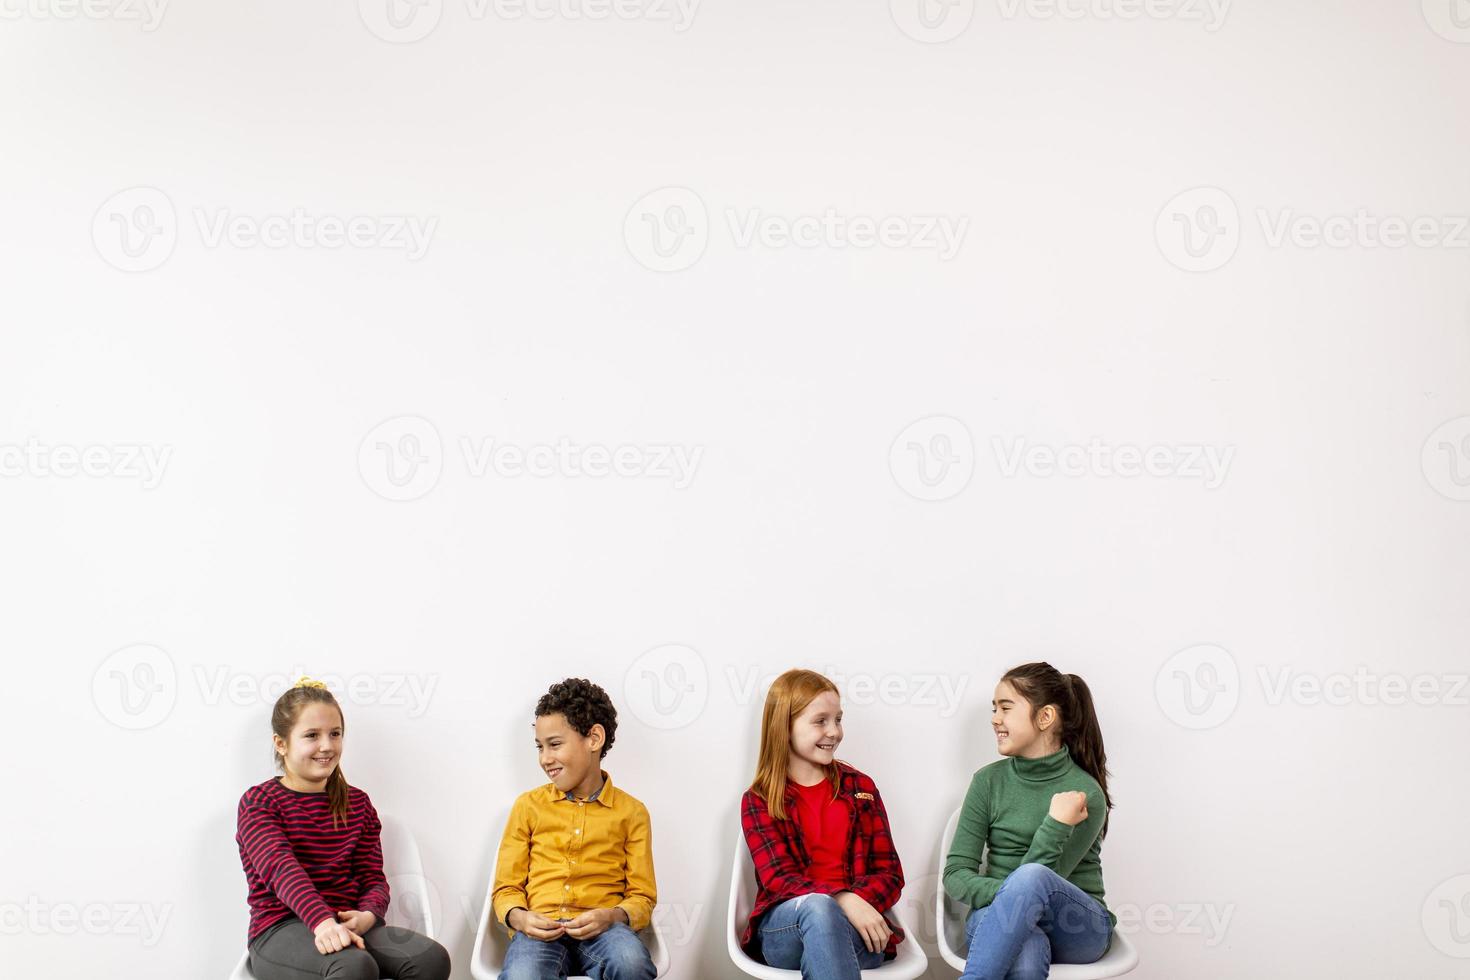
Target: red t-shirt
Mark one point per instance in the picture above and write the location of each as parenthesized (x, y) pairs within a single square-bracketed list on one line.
[(824, 824)]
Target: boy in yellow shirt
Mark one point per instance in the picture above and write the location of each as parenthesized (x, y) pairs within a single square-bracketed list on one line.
[(574, 878)]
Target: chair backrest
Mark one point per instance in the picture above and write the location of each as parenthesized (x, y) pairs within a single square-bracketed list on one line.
[(411, 904), (742, 887), (949, 915)]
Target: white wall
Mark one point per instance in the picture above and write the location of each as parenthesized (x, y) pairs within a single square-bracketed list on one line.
[(1287, 838)]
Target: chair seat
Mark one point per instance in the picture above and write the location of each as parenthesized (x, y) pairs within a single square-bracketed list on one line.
[(910, 963)]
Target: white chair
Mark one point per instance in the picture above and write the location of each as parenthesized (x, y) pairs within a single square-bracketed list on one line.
[(492, 940), (409, 904), (949, 926), (909, 964)]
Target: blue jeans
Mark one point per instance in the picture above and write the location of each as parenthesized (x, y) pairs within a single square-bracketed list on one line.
[(811, 933), (617, 954), (1036, 919)]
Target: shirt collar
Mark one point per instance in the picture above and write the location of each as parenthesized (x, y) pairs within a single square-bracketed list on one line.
[(605, 795)]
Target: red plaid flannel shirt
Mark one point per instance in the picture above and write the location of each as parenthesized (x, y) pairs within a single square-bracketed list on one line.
[(779, 852)]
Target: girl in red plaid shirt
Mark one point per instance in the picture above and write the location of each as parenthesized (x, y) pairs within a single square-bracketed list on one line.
[(818, 835)]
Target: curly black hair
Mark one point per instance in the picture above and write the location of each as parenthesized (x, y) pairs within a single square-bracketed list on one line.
[(584, 704)]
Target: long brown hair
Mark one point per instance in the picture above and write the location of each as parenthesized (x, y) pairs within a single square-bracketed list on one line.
[(788, 697), (1042, 684), (283, 718)]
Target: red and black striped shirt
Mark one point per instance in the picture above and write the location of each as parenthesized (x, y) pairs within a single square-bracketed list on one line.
[(297, 863)]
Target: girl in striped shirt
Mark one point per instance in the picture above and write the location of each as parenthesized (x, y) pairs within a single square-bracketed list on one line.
[(314, 863)]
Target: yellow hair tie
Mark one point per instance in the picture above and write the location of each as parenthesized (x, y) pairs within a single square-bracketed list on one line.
[(308, 682)]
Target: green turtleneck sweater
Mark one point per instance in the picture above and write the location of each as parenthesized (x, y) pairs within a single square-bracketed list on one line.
[(1004, 824)]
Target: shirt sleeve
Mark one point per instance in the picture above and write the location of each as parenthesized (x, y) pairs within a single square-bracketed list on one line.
[(367, 866), (513, 863), (881, 886), (640, 892), (1060, 847), (962, 878), (776, 868), (263, 840)]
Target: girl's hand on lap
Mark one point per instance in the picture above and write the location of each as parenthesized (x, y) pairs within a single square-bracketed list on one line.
[(1069, 808), (332, 937), (358, 922), (868, 921)]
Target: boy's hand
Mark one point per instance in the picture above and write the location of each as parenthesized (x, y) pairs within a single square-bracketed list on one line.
[(595, 923), (535, 925), (868, 921), (332, 936), (1069, 808), (358, 922)]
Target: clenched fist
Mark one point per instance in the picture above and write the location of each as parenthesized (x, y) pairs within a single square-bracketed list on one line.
[(1069, 808)]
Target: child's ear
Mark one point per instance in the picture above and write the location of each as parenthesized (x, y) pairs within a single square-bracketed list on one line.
[(596, 737)]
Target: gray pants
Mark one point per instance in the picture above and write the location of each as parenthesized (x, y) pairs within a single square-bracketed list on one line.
[(288, 952)]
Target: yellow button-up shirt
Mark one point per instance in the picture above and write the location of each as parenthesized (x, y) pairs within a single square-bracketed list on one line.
[(562, 857)]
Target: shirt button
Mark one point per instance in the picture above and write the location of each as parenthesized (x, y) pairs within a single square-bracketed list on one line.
[(577, 831), (568, 888)]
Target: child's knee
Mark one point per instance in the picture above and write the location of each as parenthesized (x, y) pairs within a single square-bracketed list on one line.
[(432, 964), (817, 911), (352, 964), (1031, 877)]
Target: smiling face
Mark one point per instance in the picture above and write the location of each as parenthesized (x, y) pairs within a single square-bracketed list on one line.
[(571, 760), (817, 731), (1019, 729), (314, 747)]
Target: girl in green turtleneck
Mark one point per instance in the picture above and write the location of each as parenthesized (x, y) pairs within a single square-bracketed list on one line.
[(1025, 854)]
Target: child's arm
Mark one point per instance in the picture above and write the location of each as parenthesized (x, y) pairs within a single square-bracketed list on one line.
[(883, 883), (1061, 847), (962, 878), (367, 867), (775, 867), (263, 839), (640, 892), (513, 864)]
